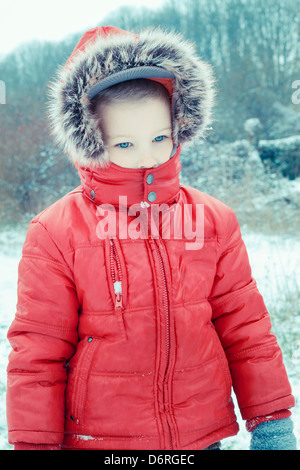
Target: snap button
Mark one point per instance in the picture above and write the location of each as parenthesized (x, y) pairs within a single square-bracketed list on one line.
[(93, 194), (150, 178), (90, 339), (152, 196)]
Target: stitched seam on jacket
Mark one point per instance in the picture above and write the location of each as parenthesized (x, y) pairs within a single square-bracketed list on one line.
[(114, 438), (227, 422), (145, 307), (43, 258), (121, 374), (137, 375), (83, 246), (46, 431), (39, 376), (233, 295), (44, 325), (38, 222), (266, 402), (197, 366), (240, 354), (230, 248)]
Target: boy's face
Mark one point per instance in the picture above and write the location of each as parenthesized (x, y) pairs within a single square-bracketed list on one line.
[(138, 134)]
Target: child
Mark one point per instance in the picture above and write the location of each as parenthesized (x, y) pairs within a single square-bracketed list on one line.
[(130, 334)]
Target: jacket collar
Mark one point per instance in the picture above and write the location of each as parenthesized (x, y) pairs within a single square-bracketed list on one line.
[(140, 186)]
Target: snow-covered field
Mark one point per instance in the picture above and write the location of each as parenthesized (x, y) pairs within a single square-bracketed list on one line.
[(276, 268)]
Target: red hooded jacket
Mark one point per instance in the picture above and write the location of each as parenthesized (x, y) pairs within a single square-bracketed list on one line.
[(152, 368), (134, 342)]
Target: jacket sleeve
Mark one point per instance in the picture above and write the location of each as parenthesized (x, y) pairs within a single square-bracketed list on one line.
[(243, 325), (43, 336)]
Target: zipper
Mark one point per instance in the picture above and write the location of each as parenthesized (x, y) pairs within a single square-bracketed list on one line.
[(167, 336), (116, 275), (117, 280)]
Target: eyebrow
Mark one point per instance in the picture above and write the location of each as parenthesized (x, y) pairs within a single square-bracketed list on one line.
[(130, 136)]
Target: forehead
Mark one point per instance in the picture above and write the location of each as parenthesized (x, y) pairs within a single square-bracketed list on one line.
[(135, 116)]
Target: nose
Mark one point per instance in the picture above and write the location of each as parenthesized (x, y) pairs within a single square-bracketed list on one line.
[(147, 161)]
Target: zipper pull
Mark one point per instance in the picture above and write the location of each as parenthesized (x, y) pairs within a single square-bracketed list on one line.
[(118, 292), (118, 303)]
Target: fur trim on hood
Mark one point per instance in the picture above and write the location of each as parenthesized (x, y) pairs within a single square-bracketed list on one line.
[(105, 50)]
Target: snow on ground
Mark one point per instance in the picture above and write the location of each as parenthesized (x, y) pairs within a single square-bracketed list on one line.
[(276, 268)]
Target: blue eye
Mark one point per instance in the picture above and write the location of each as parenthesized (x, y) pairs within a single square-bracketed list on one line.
[(124, 145), (160, 138)]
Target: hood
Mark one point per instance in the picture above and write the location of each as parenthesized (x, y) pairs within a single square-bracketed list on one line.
[(104, 51)]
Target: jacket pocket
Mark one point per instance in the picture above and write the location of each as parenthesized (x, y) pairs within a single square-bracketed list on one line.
[(223, 362), (78, 379), (117, 280)]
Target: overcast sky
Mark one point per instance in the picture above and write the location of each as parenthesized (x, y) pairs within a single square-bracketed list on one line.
[(24, 20)]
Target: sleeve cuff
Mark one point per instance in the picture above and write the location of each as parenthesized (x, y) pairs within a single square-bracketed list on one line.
[(26, 446), (252, 423)]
